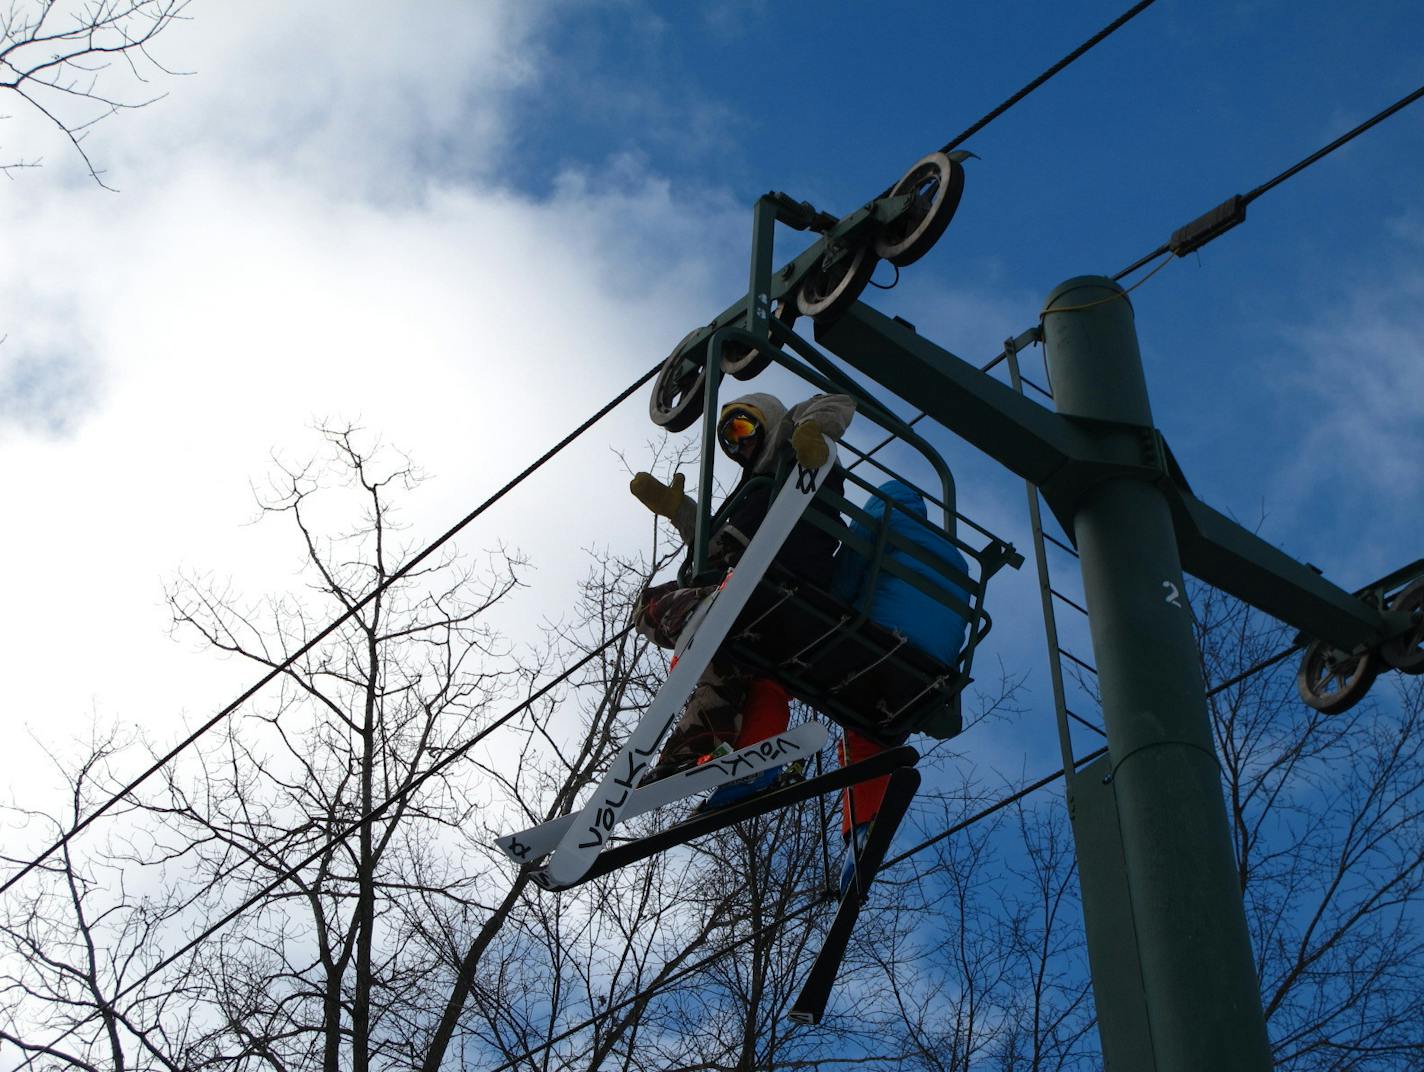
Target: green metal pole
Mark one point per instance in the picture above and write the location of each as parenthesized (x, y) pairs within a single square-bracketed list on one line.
[(1200, 991)]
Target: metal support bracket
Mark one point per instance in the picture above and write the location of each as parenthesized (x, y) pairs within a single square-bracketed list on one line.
[(1066, 457)]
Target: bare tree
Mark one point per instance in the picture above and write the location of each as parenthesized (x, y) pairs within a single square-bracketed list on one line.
[(56, 62), (316, 971), (414, 944), (87, 927), (1328, 822)]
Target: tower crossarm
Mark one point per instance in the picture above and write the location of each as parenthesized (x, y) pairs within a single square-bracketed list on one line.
[(1067, 456)]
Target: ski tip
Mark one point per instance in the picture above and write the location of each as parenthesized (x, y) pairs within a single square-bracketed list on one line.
[(540, 877), (562, 873)]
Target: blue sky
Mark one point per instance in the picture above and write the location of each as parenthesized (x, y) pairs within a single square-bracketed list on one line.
[(464, 226), (402, 219), (1278, 342), (1282, 358)]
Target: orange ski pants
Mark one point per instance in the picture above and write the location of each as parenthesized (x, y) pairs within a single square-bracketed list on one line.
[(766, 713)]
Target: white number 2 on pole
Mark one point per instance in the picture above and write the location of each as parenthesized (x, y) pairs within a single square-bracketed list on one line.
[(1172, 596)]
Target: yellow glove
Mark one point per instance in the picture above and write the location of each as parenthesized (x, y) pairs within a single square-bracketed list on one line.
[(810, 445), (662, 499)]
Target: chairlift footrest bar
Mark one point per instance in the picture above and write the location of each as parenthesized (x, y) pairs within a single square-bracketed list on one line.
[(612, 859), (811, 1003), (800, 742)]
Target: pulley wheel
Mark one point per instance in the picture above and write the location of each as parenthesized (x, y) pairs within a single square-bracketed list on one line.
[(1406, 652), (936, 183), (746, 362), (677, 392), (833, 285), (1331, 681)]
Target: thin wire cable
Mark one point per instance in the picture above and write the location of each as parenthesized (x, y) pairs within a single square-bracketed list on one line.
[(1012, 798), (890, 285), (990, 116), (365, 820), (287, 664), (654, 989), (1146, 258), (1251, 671), (1325, 151), (1048, 779), (1123, 293), (1294, 169), (997, 806), (917, 418)]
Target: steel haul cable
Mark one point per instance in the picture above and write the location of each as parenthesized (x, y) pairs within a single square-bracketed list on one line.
[(1107, 31), (375, 813), (351, 611), (994, 113), (984, 813), (1233, 210), (988, 117), (328, 630)]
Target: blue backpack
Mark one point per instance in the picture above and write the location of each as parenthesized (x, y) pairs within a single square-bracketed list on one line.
[(895, 604)]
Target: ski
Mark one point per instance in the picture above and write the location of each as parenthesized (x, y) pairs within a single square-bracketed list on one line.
[(816, 990), (612, 859), (799, 742), (585, 837)]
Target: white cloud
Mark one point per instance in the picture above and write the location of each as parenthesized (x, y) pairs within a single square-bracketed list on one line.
[(48, 378), (283, 252), (1354, 379), (353, 98)]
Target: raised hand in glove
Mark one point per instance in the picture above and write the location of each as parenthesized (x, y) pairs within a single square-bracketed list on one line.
[(662, 499), (810, 445)]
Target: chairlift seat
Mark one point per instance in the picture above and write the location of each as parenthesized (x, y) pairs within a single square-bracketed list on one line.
[(856, 672)]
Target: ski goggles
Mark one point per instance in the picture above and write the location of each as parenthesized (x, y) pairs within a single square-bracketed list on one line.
[(739, 433)]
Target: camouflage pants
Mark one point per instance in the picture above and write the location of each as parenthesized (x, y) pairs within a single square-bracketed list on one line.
[(664, 609), (714, 711), (713, 714)]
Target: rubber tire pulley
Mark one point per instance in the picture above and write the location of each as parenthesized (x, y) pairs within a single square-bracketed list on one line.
[(1405, 653), (829, 289), (677, 399), (746, 362), (1332, 682), (937, 182)]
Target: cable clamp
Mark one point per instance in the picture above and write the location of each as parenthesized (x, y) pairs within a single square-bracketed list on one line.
[(1204, 228)]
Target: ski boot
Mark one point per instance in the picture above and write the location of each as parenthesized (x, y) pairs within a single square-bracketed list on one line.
[(744, 788)]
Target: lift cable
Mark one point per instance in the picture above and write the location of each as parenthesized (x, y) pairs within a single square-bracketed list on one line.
[(984, 120), (1098, 37), (655, 988), (1024, 339), (365, 820), (999, 805), (1232, 211), (1047, 779), (351, 611), (730, 947), (1254, 669)]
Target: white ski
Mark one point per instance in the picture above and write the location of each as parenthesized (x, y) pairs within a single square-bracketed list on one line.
[(581, 843), (799, 742)]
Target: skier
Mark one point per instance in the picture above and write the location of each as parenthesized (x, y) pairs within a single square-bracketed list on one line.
[(928, 624), (728, 706)]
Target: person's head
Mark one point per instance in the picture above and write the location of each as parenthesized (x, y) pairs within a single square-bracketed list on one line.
[(751, 429), (741, 431)]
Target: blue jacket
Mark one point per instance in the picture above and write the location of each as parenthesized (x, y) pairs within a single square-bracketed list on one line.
[(897, 604)]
